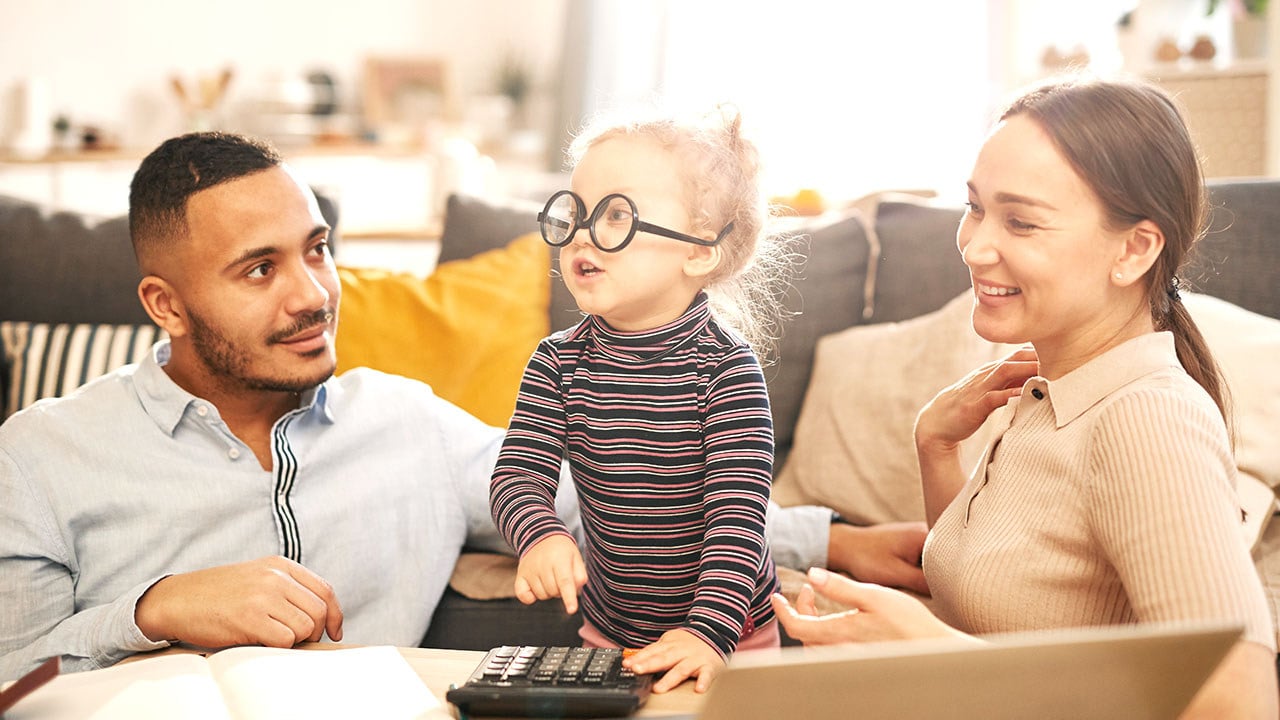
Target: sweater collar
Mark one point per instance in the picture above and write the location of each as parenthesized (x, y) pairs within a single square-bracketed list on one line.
[(1082, 388), (653, 343)]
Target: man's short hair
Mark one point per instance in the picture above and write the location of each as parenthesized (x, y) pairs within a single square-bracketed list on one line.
[(179, 168)]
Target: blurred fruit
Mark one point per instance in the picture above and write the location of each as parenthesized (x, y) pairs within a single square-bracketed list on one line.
[(1204, 48), (807, 201)]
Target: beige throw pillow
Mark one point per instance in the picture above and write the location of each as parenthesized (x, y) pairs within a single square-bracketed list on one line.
[(853, 449), (1247, 348)]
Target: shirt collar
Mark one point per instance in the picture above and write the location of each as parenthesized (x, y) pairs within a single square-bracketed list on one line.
[(1082, 388), (166, 402), (651, 344)]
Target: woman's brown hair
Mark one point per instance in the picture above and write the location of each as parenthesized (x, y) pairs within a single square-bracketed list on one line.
[(1130, 144)]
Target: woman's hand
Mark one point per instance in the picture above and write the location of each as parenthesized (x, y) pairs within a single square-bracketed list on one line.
[(876, 613), (955, 414), (958, 411), (553, 567)]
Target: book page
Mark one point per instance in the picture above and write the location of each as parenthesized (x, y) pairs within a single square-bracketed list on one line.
[(373, 682), (160, 687)]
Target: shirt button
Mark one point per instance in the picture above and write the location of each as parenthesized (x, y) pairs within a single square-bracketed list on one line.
[(201, 410), (1035, 392), (233, 453)]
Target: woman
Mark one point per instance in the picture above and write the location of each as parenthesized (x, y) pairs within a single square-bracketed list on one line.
[(1110, 497)]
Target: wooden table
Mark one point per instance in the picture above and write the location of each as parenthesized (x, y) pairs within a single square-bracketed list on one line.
[(439, 669)]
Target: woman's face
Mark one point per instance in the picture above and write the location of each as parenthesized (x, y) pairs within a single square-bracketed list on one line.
[(1038, 253)]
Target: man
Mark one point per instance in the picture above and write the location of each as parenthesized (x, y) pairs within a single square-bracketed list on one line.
[(228, 489)]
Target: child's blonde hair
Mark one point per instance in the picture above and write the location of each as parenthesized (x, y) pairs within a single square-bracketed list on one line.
[(720, 171)]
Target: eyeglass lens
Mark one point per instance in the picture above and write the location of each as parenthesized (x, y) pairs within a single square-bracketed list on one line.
[(560, 218), (611, 224)]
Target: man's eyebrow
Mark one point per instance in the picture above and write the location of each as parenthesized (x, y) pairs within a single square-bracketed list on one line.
[(253, 254), (268, 250)]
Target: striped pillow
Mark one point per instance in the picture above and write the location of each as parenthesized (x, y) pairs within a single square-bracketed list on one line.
[(52, 360)]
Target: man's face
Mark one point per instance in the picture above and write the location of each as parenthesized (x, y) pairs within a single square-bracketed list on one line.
[(258, 286)]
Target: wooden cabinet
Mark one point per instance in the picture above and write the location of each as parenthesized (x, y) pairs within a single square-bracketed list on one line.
[(1226, 109)]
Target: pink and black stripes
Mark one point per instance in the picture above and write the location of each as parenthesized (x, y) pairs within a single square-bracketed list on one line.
[(669, 437)]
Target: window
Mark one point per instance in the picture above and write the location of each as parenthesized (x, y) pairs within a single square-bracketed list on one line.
[(848, 98)]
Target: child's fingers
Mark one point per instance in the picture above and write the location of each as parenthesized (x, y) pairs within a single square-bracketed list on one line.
[(568, 591), (539, 587), (706, 674), (524, 593), (671, 678)]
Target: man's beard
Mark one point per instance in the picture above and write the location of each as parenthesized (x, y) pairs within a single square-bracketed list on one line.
[(230, 364)]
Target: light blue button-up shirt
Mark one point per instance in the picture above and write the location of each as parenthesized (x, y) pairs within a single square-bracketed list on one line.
[(377, 485)]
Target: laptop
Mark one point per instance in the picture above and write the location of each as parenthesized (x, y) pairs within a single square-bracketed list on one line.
[(1131, 671)]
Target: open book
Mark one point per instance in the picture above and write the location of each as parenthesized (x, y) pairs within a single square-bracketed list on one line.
[(241, 683)]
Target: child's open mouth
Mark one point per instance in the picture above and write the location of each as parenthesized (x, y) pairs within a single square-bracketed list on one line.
[(584, 268)]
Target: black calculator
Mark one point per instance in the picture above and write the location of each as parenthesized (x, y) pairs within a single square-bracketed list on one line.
[(538, 681)]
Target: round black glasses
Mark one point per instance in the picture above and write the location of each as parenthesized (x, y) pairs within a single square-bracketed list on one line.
[(612, 224)]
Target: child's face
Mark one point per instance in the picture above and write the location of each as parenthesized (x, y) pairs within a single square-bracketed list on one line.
[(653, 279)]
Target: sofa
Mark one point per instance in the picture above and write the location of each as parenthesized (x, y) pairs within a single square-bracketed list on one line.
[(876, 327)]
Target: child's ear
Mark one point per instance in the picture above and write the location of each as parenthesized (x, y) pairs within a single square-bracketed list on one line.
[(702, 260)]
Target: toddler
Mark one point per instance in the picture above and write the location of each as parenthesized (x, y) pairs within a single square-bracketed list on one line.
[(658, 403)]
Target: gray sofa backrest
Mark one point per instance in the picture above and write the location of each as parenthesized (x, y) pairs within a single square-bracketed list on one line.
[(64, 267)]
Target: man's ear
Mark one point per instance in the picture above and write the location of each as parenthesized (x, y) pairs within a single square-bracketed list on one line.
[(1143, 243), (164, 305), (702, 260)]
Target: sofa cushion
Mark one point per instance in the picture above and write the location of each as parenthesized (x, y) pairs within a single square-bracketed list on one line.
[(920, 268), (66, 268), (824, 296), (461, 623), (1236, 260), (1246, 346), (853, 449), (468, 329), (62, 267), (473, 225), (52, 360)]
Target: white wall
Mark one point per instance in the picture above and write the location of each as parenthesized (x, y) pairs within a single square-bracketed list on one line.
[(109, 63)]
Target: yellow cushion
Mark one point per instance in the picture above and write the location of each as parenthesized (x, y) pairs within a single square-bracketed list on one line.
[(467, 330)]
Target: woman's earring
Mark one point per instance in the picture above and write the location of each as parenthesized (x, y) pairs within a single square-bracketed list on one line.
[(1119, 276)]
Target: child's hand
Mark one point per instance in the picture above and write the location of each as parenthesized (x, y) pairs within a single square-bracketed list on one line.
[(683, 655), (551, 568)]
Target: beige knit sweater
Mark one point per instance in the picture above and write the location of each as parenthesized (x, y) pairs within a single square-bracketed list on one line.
[(1109, 499)]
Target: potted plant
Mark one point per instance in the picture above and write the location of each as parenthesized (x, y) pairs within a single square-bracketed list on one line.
[(1239, 7), (514, 83)]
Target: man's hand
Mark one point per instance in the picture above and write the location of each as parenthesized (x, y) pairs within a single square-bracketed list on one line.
[(271, 601), (553, 567), (876, 613), (885, 554), (683, 655)]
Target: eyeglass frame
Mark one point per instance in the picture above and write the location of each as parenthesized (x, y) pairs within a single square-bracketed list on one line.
[(637, 225)]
